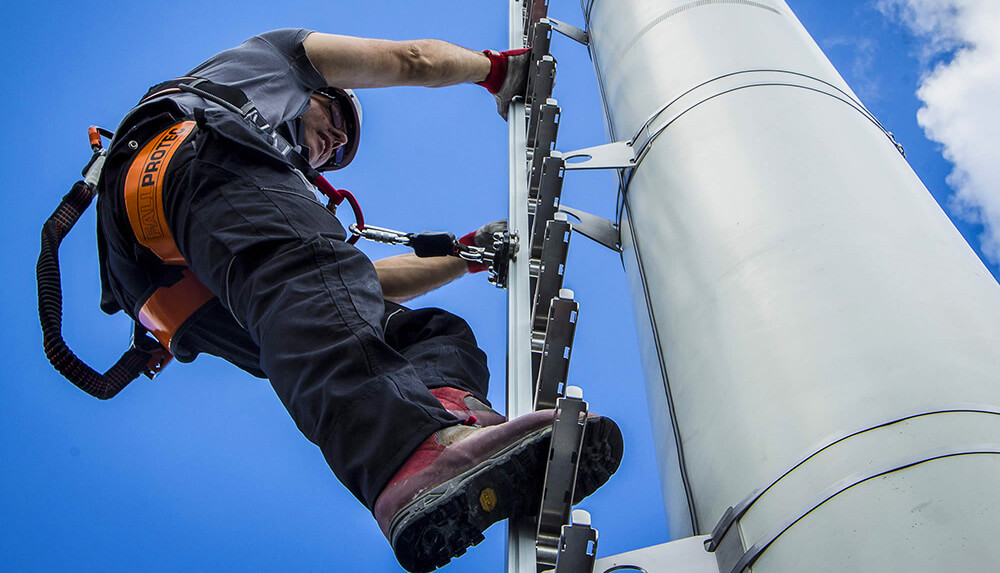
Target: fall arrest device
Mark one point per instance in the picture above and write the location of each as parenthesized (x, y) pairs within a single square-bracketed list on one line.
[(496, 257)]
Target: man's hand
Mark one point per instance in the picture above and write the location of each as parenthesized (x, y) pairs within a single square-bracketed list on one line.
[(483, 237), (508, 76), (407, 276)]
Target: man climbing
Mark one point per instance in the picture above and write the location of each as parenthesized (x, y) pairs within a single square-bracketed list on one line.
[(212, 238)]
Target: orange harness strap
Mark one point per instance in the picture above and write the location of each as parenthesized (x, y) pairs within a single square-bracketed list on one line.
[(168, 307), (144, 192)]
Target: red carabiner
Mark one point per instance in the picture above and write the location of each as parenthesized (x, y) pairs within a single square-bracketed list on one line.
[(337, 197)]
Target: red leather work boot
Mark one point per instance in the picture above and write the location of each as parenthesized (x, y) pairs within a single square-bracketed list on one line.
[(463, 479), (466, 407)]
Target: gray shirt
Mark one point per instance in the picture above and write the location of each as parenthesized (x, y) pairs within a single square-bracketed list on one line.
[(272, 70)]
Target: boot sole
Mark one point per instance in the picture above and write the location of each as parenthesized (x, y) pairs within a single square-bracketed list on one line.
[(445, 521)]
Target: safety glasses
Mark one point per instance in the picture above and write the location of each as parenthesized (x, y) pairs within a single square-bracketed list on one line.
[(339, 122), (337, 116)]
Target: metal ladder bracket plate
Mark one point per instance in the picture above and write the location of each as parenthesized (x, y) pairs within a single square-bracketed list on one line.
[(570, 31), (541, 39), (597, 229), (545, 137), (546, 203), (560, 478), (617, 155), (546, 197), (557, 349), (551, 270), (541, 81), (578, 551)]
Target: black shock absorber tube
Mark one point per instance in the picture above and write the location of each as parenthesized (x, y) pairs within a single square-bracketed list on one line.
[(134, 362)]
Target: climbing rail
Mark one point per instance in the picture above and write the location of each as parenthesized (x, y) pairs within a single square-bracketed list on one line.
[(542, 315)]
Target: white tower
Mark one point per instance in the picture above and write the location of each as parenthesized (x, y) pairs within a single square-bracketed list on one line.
[(799, 288)]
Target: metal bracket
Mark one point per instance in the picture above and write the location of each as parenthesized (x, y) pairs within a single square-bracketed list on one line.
[(545, 286), (560, 477), (595, 228), (505, 248), (550, 268), (727, 549), (546, 202), (541, 40), (617, 155), (571, 32), (578, 551), (541, 82), (545, 138), (553, 368)]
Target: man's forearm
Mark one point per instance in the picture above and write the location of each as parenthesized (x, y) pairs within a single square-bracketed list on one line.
[(349, 62), (404, 277)]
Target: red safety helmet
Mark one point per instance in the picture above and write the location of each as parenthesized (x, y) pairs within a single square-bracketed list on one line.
[(350, 110)]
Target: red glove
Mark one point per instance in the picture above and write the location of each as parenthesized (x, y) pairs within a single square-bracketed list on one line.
[(474, 267), (482, 237), (508, 77)]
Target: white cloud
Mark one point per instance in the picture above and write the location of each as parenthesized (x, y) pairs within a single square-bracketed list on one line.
[(961, 96)]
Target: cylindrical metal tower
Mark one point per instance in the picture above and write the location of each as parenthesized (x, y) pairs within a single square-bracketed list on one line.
[(797, 284)]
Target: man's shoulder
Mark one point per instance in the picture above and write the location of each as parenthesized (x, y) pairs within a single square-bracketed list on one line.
[(283, 42)]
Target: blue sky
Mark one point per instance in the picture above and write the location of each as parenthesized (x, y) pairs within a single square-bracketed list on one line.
[(202, 469)]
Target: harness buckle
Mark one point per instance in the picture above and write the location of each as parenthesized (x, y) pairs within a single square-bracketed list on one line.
[(159, 356)]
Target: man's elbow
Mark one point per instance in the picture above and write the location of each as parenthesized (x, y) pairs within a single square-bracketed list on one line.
[(417, 63)]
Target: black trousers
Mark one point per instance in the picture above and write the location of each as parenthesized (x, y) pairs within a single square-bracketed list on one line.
[(303, 308)]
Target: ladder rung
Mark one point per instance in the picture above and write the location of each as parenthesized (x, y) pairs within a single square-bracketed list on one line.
[(560, 479), (540, 40), (541, 80), (552, 369), (546, 202), (578, 549), (545, 140), (551, 268)]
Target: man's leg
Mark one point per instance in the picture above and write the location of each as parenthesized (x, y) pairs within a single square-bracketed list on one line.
[(439, 345), (258, 239), (213, 330), (443, 350)]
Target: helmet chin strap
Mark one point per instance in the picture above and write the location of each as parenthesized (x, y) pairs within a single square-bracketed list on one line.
[(337, 197)]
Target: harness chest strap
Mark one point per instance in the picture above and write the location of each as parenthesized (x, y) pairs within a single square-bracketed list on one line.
[(168, 307)]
